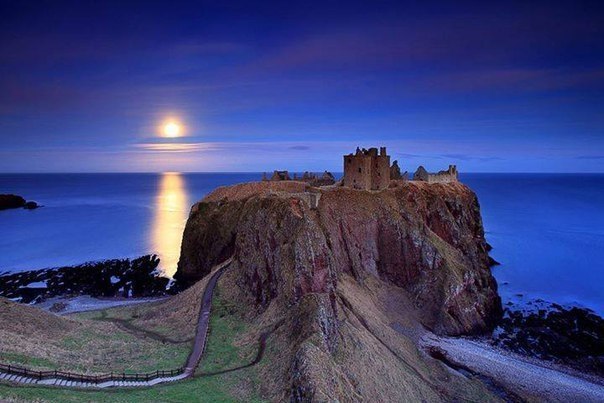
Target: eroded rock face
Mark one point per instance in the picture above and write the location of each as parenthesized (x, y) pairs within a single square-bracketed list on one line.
[(333, 281), (427, 239)]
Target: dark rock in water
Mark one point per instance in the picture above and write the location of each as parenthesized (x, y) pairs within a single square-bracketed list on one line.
[(109, 278), (8, 201), (30, 205), (574, 336), (493, 262)]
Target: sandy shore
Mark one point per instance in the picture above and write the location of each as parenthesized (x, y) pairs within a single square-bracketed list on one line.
[(520, 375), (87, 303)]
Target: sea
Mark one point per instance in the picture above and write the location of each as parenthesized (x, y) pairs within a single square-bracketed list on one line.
[(546, 230)]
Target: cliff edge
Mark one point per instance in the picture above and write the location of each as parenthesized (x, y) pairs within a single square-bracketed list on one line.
[(354, 275)]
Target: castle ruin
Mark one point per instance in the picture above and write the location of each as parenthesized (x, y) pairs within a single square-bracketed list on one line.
[(366, 169), (313, 179), (280, 176), (450, 175)]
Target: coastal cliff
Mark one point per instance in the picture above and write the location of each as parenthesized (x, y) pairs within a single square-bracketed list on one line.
[(358, 272)]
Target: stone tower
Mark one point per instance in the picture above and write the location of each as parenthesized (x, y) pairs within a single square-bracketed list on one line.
[(367, 170)]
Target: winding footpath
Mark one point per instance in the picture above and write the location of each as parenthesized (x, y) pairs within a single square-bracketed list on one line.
[(199, 345)]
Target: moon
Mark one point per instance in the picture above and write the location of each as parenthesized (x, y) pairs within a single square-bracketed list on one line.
[(171, 129)]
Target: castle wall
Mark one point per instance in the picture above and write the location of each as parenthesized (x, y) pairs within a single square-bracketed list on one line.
[(367, 170), (380, 174), (441, 178), (354, 168), (450, 175)]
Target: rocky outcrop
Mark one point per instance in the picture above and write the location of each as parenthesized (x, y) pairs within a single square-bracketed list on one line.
[(9, 201), (339, 274), (572, 336), (106, 278), (425, 238), (31, 205)]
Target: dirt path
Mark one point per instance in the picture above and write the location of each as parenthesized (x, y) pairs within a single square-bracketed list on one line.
[(259, 354), (511, 371), (128, 326), (203, 325)]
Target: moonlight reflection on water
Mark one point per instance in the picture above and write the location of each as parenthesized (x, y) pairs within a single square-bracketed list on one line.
[(169, 220)]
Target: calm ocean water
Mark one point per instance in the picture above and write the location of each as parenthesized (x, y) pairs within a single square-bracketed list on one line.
[(546, 230)]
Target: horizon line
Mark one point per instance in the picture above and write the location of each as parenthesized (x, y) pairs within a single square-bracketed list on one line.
[(260, 172)]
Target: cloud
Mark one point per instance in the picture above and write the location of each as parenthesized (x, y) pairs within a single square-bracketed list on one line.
[(514, 80), (469, 157), (175, 147)]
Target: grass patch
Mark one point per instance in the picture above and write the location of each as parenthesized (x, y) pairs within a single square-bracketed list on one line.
[(27, 361), (223, 352), (96, 348), (225, 323)]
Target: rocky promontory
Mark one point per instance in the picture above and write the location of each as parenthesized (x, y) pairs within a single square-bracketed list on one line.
[(10, 201), (348, 279), (427, 239)]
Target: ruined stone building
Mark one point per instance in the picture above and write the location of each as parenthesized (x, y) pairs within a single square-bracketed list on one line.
[(313, 179), (280, 176), (450, 175), (395, 172), (366, 169)]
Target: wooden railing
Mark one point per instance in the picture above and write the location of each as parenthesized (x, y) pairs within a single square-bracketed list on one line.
[(96, 379)]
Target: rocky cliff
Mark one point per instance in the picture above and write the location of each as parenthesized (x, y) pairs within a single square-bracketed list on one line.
[(362, 272)]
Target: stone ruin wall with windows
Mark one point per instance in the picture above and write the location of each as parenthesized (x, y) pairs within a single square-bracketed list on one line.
[(366, 169)]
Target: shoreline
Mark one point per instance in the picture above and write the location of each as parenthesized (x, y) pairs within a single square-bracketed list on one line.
[(520, 375), (127, 278)]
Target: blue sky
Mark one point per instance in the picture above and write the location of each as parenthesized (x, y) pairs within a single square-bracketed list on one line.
[(508, 87)]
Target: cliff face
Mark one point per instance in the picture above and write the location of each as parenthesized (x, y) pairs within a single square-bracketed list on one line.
[(425, 238), (352, 268)]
